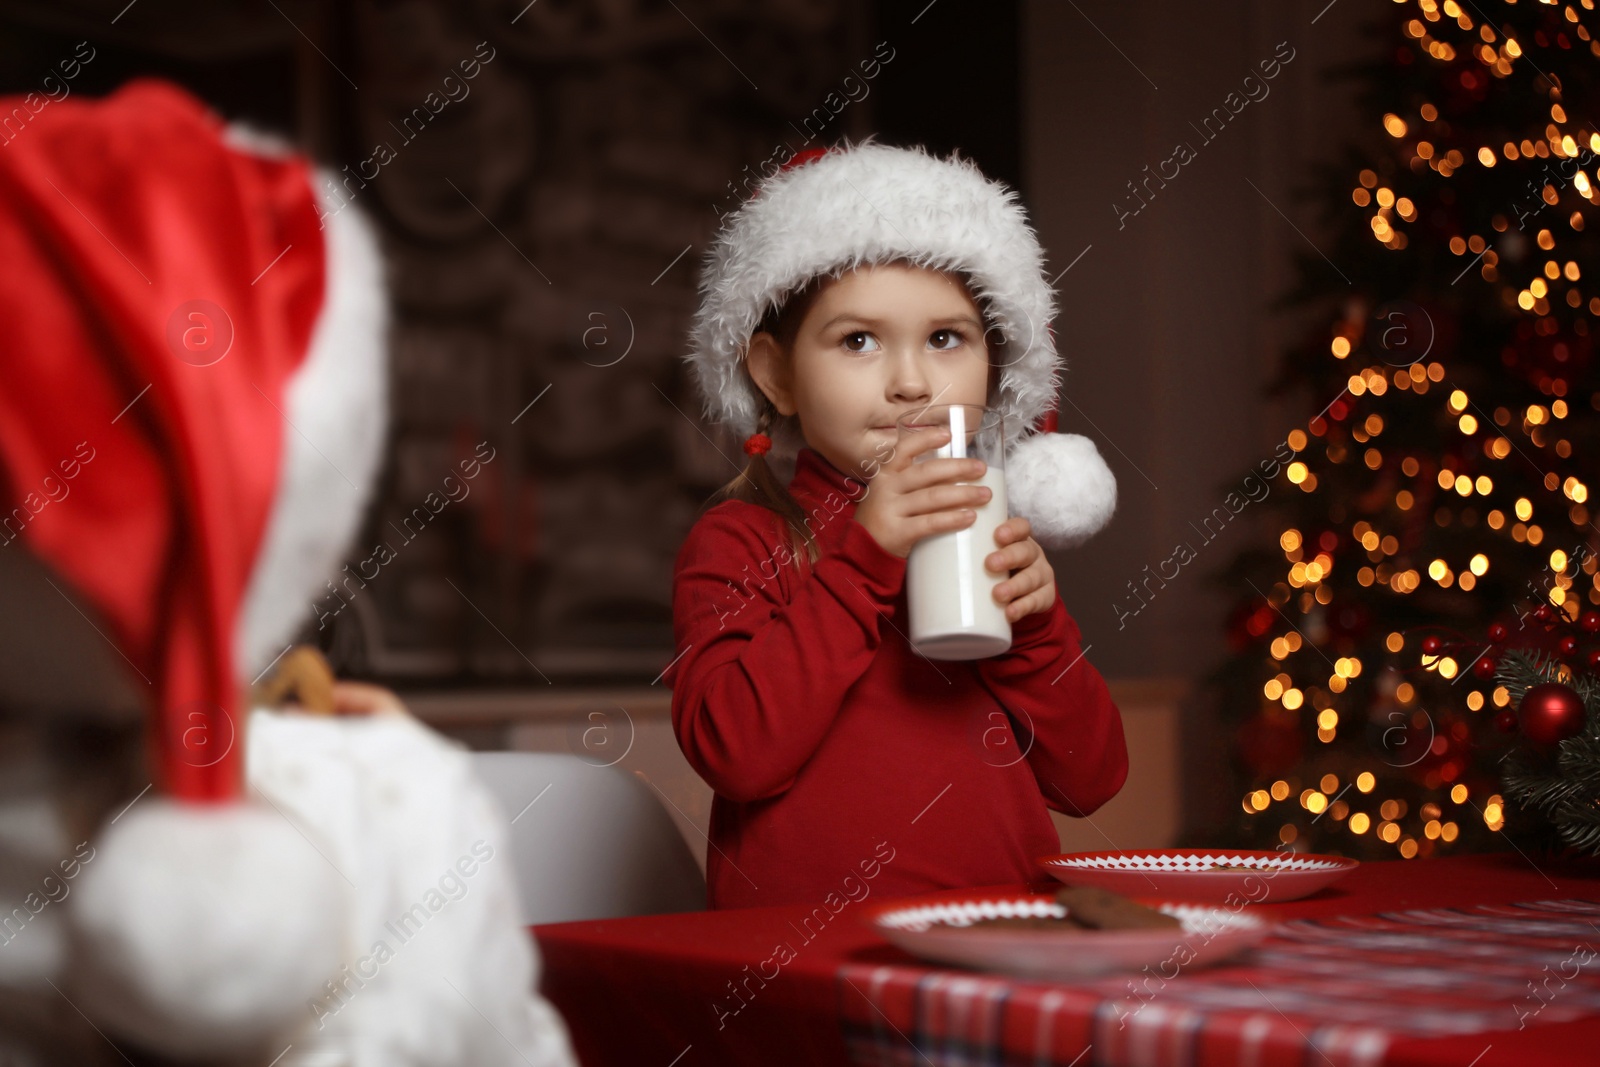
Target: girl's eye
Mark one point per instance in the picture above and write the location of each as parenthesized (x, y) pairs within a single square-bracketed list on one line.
[(952, 339), (860, 341)]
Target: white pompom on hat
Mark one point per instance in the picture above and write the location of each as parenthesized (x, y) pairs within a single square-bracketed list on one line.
[(830, 211)]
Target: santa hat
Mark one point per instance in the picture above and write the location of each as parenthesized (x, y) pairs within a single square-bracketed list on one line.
[(190, 431), (828, 211)]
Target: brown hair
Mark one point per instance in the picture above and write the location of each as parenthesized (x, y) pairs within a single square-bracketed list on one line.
[(757, 483)]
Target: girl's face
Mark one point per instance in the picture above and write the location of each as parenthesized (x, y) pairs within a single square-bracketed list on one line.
[(876, 344)]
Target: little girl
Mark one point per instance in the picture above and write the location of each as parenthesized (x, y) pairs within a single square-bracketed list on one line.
[(861, 284)]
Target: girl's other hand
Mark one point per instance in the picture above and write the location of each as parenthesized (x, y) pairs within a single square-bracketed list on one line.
[(908, 501), (1032, 585)]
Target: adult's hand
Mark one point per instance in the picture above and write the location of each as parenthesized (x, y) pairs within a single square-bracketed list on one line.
[(363, 698)]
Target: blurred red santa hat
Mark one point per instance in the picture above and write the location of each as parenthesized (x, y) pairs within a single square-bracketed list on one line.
[(193, 410), (190, 429)]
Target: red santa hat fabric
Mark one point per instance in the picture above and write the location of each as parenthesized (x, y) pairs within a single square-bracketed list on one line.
[(163, 289)]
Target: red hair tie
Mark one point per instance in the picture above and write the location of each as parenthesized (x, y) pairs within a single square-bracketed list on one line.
[(757, 444)]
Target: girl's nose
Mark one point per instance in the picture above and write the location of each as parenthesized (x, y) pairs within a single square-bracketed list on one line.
[(908, 380)]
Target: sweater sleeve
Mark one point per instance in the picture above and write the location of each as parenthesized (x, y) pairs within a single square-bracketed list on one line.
[(1078, 753), (758, 682)]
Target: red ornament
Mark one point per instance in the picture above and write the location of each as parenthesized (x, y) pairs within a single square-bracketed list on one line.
[(1590, 622), (1484, 668), (1498, 632), (1568, 645), (1543, 613), (757, 444), (1431, 645), (1506, 722), (1550, 712), (1594, 660)]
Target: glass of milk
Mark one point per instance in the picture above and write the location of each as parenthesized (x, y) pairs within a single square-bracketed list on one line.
[(949, 593)]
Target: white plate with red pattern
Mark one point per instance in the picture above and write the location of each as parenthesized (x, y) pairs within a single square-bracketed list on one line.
[(949, 930), (1218, 875)]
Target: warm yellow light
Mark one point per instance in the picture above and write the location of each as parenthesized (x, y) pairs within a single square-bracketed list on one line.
[(1280, 789), (1365, 781), (1524, 508), (1297, 472), (1327, 719), (1359, 822), (1558, 561), (1293, 698), (1458, 793)]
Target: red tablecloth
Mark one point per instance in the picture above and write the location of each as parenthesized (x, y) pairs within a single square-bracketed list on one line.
[(1447, 976)]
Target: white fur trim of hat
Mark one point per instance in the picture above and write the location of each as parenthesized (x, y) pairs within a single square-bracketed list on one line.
[(869, 203)]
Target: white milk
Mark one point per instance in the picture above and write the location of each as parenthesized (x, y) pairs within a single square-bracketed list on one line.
[(949, 592)]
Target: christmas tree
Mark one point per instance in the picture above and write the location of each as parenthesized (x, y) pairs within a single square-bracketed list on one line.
[(1433, 516)]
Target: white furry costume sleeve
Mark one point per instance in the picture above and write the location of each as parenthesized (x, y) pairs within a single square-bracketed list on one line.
[(369, 839), (437, 968)]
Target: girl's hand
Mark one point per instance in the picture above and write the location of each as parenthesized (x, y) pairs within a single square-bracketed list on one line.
[(1032, 585), (906, 501)]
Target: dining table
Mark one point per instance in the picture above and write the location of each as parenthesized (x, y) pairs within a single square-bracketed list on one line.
[(1458, 961)]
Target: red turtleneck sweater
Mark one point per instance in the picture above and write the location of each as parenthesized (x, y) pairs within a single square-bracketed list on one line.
[(843, 762)]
